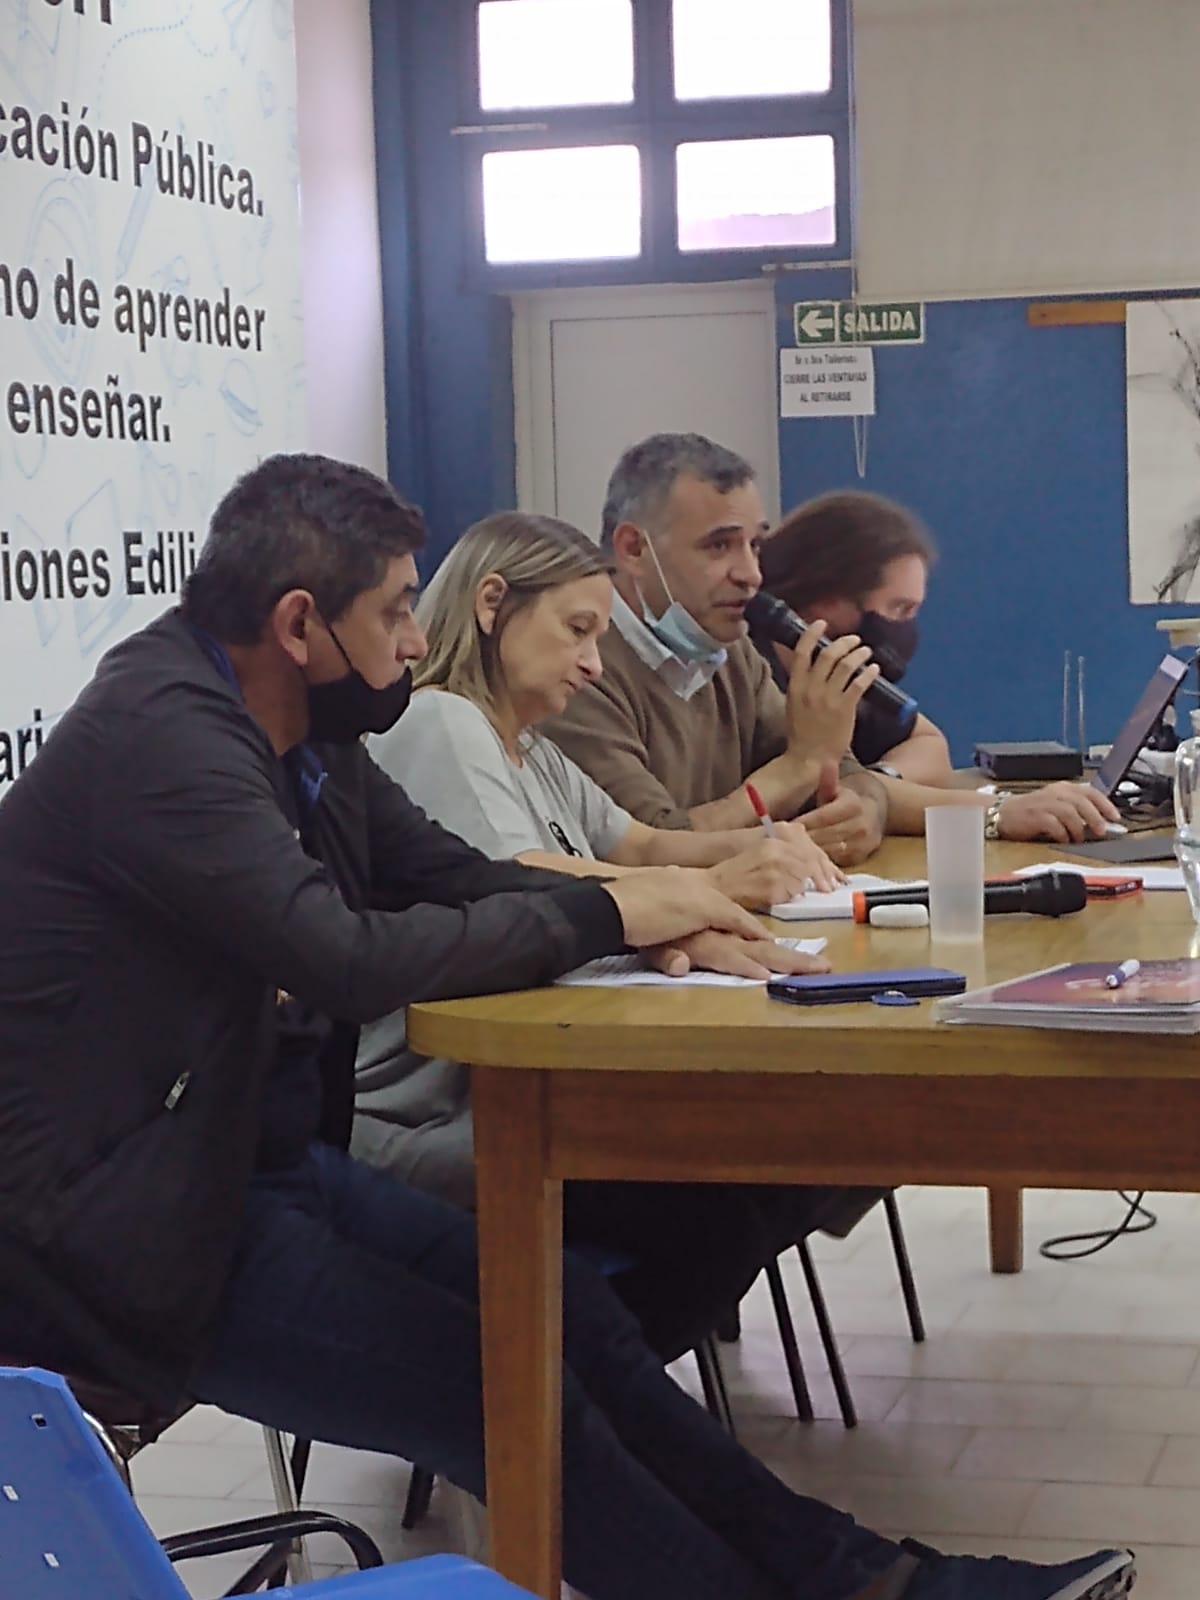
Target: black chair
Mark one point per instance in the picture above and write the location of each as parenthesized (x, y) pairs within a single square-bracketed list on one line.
[(787, 1330)]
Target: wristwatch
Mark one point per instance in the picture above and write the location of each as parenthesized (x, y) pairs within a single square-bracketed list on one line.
[(991, 820), (884, 769)]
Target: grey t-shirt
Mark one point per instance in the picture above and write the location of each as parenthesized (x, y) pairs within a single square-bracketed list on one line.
[(449, 759), (414, 1114)]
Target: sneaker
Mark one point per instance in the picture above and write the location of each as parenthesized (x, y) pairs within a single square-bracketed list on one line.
[(1105, 1576)]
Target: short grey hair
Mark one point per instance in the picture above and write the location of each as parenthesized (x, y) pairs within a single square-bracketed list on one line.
[(645, 475)]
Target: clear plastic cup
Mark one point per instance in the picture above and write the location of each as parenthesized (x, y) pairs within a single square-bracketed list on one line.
[(954, 861)]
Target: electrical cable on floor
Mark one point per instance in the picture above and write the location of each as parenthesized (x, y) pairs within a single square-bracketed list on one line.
[(1100, 1238)]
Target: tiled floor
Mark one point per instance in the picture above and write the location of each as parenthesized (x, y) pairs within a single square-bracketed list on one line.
[(1047, 1414)]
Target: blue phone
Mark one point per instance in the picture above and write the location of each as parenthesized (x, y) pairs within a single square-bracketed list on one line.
[(834, 988)]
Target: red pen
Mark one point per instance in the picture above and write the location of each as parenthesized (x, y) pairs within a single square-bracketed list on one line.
[(761, 812)]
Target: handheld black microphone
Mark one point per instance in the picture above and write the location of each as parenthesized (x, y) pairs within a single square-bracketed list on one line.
[(779, 622), (1045, 894)]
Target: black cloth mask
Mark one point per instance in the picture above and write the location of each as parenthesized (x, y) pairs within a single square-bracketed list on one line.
[(893, 644), (343, 710)]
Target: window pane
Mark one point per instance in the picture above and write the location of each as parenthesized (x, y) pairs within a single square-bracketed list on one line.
[(755, 194), (758, 47), (581, 204), (535, 53)]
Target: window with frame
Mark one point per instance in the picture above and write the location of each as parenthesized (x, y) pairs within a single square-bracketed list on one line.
[(652, 139)]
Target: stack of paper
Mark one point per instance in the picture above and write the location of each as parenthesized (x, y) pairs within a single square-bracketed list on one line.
[(1161, 997), (620, 972), (835, 904)]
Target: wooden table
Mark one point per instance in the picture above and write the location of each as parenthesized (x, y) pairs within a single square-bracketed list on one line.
[(727, 1085)]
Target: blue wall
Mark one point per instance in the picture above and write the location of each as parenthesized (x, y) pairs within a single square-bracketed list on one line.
[(1010, 441), (448, 344)]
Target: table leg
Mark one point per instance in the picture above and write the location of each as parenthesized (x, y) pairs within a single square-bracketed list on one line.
[(520, 1273), (1005, 1215)]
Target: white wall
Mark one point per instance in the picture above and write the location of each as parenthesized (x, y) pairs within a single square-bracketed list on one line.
[(343, 309), (1009, 147)]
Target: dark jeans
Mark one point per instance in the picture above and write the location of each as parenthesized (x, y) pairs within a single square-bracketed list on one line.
[(351, 1316), (694, 1248)]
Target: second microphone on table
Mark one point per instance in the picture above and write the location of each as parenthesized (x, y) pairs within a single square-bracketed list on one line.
[(1045, 894)]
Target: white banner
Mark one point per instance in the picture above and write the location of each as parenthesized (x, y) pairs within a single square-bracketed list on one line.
[(150, 338)]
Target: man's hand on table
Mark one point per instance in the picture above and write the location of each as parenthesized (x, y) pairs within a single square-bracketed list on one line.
[(682, 921), (665, 904), (1066, 813), (754, 958)]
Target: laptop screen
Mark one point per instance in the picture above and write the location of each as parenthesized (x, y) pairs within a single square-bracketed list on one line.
[(1155, 697)]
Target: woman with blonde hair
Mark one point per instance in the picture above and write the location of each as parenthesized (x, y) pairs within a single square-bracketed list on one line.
[(513, 618)]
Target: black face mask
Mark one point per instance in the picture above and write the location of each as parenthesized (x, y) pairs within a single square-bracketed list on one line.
[(342, 711), (893, 644)]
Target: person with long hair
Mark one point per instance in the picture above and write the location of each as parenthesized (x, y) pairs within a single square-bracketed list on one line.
[(860, 563)]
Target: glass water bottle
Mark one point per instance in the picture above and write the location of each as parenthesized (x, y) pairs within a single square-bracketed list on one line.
[(1187, 814)]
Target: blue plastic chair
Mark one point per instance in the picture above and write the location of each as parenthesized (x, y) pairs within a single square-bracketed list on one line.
[(70, 1531)]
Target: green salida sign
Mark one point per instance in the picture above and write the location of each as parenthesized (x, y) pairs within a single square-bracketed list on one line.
[(852, 322)]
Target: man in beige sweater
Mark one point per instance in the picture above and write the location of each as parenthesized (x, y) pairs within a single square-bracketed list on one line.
[(686, 712)]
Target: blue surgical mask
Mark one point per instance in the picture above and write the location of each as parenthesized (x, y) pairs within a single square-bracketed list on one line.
[(678, 630)]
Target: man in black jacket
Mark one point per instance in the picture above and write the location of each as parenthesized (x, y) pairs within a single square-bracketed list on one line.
[(209, 886)]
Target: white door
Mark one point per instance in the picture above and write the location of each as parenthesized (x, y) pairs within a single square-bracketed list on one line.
[(595, 370)]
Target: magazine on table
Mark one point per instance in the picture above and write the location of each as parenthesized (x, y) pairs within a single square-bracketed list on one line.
[(1153, 997)]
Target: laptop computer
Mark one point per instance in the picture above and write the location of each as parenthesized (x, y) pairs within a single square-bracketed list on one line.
[(1152, 702), (1154, 699)]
